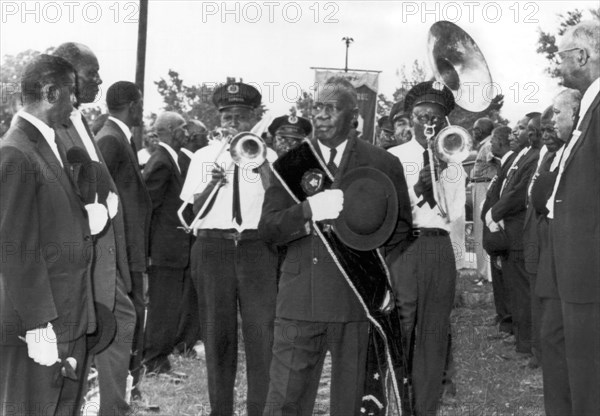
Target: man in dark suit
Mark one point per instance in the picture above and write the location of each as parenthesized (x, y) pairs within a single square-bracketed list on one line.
[(500, 148), (110, 272), (169, 243), (188, 330), (316, 309), (509, 213), (125, 106), (571, 327), (46, 300)]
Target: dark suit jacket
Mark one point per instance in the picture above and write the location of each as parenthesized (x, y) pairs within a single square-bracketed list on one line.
[(169, 244), (512, 204), (110, 259), (46, 242), (311, 288), (576, 224), (123, 166), (184, 163), (531, 245), (493, 192)]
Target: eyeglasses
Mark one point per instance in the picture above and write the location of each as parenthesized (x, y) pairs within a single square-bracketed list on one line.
[(560, 54), (328, 108)]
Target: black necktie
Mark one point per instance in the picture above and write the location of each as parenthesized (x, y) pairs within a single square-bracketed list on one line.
[(237, 211), (331, 164), (134, 147)]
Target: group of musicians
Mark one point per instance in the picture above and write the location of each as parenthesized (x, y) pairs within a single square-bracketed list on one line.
[(235, 227)]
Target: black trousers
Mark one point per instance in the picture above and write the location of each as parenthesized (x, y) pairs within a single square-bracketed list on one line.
[(28, 388), (299, 350), (188, 330), (571, 358), (424, 280), (501, 291), (139, 304), (520, 295), (231, 277), (112, 363), (165, 293)]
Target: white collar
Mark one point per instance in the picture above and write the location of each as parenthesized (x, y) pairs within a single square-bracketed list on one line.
[(46, 130), (326, 151), (187, 152), (505, 157), (588, 98), (171, 153), (123, 126)]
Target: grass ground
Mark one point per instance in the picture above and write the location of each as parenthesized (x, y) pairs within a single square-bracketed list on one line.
[(490, 379)]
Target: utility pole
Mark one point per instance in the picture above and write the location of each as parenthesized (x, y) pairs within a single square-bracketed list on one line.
[(348, 41)]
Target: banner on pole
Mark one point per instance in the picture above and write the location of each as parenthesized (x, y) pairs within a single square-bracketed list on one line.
[(367, 86)]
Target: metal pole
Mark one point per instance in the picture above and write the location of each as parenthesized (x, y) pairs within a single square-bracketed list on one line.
[(348, 40), (140, 68)]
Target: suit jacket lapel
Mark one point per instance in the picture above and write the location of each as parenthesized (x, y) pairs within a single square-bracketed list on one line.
[(585, 123), (174, 167)]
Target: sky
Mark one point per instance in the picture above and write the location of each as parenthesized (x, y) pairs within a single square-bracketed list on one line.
[(275, 43)]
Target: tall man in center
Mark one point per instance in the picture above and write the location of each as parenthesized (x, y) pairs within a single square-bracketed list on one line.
[(317, 310), (231, 266)]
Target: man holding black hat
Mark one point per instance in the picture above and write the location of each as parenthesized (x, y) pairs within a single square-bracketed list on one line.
[(231, 266), (288, 132), (317, 309), (424, 275)]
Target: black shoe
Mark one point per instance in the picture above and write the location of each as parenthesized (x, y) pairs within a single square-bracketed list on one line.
[(158, 366)]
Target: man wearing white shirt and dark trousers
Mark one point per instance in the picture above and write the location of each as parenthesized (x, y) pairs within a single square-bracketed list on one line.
[(570, 330), (424, 276), (231, 266), (169, 243)]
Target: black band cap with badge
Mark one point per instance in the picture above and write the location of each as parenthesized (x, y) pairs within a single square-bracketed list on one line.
[(291, 126), (236, 94), (430, 92)]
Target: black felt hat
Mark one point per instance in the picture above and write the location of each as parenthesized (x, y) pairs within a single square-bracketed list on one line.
[(370, 209), (106, 328)]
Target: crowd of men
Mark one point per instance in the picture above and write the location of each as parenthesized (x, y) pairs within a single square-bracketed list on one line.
[(223, 240)]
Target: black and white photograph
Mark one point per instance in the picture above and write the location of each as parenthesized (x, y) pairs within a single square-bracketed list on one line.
[(296, 208)]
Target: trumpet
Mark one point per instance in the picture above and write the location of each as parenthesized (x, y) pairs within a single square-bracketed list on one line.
[(451, 145), (246, 150)]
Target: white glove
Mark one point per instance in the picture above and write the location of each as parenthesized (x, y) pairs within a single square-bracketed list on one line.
[(326, 205), (41, 345), (112, 203), (97, 216)]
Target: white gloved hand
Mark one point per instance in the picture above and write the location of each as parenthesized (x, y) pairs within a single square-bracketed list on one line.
[(41, 345), (112, 203), (97, 216), (326, 205)]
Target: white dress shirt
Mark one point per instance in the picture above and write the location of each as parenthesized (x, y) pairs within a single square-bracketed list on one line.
[(251, 189), (188, 152), (83, 134), (586, 102), (172, 153), (326, 152), (126, 130), (451, 185), (513, 166), (46, 131)]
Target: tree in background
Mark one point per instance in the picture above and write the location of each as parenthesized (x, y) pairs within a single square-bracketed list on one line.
[(193, 102)]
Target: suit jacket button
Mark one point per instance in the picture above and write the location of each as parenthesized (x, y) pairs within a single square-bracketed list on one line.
[(87, 237), (111, 250), (315, 260)]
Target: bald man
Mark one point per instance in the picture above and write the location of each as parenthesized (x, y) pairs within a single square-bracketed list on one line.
[(110, 271), (169, 243), (572, 328)]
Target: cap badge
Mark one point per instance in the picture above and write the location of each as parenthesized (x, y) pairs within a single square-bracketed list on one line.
[(233, 89), (437, 86), (292, 119)]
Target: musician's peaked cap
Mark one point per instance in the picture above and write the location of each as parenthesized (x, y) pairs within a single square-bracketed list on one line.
[(429, 92), (291, 126), (398, 111), (384, 124), (370, 209), (236, 94)]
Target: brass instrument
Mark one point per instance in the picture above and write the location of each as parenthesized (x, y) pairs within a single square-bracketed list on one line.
[(458, 63), (247, 150)]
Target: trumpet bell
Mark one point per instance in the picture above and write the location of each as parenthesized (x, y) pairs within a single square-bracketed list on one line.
[(453, 144), (248, 150), (457, 61)]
